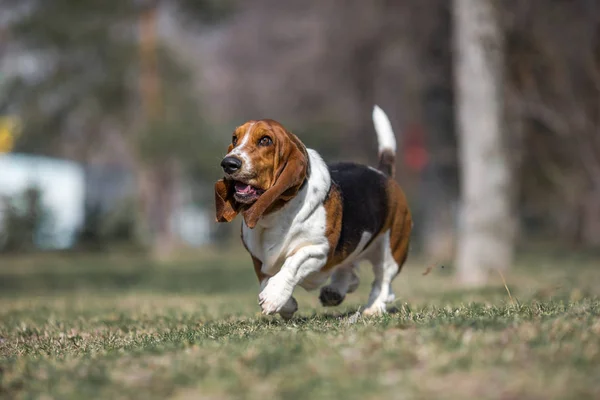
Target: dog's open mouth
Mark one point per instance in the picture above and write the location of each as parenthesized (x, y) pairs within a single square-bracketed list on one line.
[(245, 193)]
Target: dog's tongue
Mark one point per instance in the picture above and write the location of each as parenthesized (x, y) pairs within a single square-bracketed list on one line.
[(243, 188)]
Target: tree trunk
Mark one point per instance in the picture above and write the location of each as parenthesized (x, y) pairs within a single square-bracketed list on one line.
[(486, 234), (157, 178), (159, 201)]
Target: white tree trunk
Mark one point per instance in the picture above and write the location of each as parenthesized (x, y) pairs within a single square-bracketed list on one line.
[(486, 235)]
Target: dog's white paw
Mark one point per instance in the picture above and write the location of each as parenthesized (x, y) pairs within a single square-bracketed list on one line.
[(274, 297), (377, 308)]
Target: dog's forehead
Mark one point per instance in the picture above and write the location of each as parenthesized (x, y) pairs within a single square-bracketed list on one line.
[(244, 128), (252, 127), (261, 125)]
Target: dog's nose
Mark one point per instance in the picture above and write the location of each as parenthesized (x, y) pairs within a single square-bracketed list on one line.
[(231, 164)]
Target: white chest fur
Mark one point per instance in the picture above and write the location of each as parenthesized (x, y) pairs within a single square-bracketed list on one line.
[(300, 223)]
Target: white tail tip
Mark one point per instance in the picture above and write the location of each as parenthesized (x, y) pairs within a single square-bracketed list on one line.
[(383, 128)]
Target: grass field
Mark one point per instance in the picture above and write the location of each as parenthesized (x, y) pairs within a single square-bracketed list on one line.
[(83, 327)]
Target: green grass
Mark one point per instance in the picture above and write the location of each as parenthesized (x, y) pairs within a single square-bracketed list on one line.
[(80, 327)]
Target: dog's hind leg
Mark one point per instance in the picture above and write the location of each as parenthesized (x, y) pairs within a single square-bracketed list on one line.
[(343, 281), (385, 268), (287, 312)]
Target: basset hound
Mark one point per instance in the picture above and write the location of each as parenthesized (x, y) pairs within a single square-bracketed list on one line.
[(306, 221)]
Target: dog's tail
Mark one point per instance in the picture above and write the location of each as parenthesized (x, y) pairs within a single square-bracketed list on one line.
[(386, 141)]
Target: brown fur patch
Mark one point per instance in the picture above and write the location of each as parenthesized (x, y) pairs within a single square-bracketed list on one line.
[(258, 269), (225, 205), (387, 162), (334, 212), (398, 222)]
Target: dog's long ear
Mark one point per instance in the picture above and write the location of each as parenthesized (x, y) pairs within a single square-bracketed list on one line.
[(290, 174), (225, 205)]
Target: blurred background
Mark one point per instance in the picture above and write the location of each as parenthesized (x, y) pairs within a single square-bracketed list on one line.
[(114, 116)]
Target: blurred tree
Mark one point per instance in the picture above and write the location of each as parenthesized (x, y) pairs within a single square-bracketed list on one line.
[(486, 234), (83, 100), (554, 89)]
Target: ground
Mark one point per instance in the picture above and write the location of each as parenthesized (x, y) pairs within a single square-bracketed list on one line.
[(117, 326)]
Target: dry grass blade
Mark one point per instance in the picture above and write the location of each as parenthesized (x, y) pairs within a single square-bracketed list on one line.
[(428, 270), (506, 286)]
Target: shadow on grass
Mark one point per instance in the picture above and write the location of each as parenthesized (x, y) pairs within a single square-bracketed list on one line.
[(347, 314)]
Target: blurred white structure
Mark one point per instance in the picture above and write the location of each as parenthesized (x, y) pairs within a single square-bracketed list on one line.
[(192, 224), (66, 187), (62, 188)]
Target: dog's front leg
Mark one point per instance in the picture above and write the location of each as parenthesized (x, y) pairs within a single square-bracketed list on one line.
[(280, 286)]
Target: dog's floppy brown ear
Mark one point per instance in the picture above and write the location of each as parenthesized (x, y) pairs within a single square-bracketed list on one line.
[(225, 204), (288, 179)]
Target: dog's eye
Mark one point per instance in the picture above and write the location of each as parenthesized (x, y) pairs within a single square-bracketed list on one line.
[(234, 140), (265, 141)]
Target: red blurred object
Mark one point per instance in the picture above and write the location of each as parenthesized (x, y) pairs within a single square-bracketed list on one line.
[(415, 152)]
